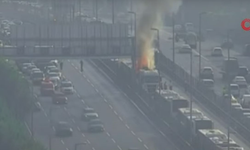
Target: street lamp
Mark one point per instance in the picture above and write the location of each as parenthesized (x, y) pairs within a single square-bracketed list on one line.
[(200, 15), (191, 92), (78, 144), (173, 21), (32, 107), (113, 11), (135, 43)]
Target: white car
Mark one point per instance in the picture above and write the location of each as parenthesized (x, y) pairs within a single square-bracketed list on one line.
[(67, 87), (89, 116), (241, 81), (217, 51), (209, 83), (235, 90), (185, 49), (245, 101), (55, 80), (55, 70)]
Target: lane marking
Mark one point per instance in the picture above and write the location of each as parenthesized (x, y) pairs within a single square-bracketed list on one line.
[(45, 114), (78, 129), (62, 142), (25, 123), (105, 100), (145, 146), (133, 132), (163, 134), (92, 84), (113, 140), (65, 108), (88, 141), (83, 101), (67, 149), (110, 107), (127, 126), (88, 80), (119, 147), (93, 148), (54, 129), (83, 135), (107, 133), (97, 90), (139, 139), (78, 95), (73, 120), (115, 112), (120, 118)]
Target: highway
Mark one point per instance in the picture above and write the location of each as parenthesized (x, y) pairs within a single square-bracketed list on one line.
[(125, 126), (184, 61)]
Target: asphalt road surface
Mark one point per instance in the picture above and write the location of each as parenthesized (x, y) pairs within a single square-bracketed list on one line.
[(125, 127), (183, 60)]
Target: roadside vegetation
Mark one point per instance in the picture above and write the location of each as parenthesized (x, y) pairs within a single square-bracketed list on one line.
[(15, 104)]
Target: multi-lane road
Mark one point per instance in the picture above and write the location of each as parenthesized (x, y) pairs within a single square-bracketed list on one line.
[(125, 127), (183, 60)]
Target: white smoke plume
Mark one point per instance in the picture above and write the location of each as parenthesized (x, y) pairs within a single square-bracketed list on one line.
[(151, 15)]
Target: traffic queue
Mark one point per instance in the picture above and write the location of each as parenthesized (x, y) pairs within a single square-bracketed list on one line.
[(47, 75)]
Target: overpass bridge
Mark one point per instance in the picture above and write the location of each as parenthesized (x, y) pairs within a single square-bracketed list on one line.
[(68, 40)]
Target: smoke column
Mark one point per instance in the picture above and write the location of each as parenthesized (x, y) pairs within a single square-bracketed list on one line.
[(151, 15)]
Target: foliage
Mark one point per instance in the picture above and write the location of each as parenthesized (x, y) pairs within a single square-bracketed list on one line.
[(14, 88)]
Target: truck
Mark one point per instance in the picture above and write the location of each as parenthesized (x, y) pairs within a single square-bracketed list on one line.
[(230, 69), (147, 79), (191, 39)]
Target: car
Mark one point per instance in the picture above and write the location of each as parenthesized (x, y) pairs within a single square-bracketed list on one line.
[(96, 128), (37, 77), (89, 114), (185, 49), (47, 68), (33, 70), (53, 74), (217, 51), (47, 88), (29, 68), (243, 71), (246, 51), (95, 121), (55, 70), (209, 83), (245, 101), (67, 87), (235, 90), (207, 73), (88, 110), (59, 99), (55, 81), (63, 129), (241, 81)]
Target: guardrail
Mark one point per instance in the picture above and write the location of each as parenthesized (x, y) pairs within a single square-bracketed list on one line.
[(142, 100), (207, 97)]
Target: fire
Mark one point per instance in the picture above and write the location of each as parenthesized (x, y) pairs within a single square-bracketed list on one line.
[(146, 60)]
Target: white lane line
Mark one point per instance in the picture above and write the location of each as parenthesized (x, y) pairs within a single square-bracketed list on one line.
[(83, 101), (73, 120), (105, 100), (107, 133), (145, 146), (72, 64), (67, 149), (25, 123), (115, 112), (119, 147), (92, 84), (93, 148), (84, 76), (162, 134), (83, 135), (88, 141), (45, 114), (65, 108), (127, 126), (78, 129), (62, 142), (139, 139), (78, 95), (88, 80), (54, 129), (110, 107), (120, 118), (133, 132), (113, 140), (97, 90)]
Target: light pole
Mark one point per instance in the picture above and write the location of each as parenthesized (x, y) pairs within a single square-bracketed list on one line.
[(173, 21), (113, 11), (78, 144), (32, 109), (200, 15), (50, 126), (191, 92), (131, 5), (96, 9), (134, 59)]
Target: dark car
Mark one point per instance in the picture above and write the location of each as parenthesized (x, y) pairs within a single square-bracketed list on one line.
[(47, 88), (95, 128), (59, 100), (243, 71), (63, 129)]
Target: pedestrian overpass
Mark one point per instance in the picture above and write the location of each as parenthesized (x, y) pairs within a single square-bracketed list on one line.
[(68, 41)]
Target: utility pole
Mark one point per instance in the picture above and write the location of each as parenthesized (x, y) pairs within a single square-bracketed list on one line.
[(50, 126), (134, 55), (96, 9), (191, 93), (173, 21), (200, 15), (32, 111), (113, 11), (230, 97)]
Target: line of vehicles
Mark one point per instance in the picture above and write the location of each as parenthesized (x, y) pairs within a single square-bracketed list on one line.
[(45, 73), (176, 109)]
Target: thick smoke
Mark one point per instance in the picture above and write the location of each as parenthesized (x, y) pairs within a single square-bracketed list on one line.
[(151, 16)]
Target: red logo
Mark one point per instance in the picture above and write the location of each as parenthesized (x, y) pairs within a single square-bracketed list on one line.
[(243, 24)]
